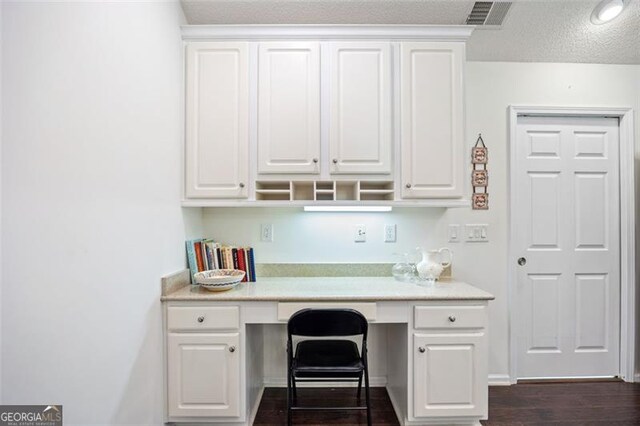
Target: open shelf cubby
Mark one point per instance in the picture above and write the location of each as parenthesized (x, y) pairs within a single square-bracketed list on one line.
[(312, 190), (302, 190), (376, 191), (273, 190), (347, 190), (325, 190)]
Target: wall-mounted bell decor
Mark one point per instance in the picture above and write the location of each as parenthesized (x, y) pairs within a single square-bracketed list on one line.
[(480, 175)]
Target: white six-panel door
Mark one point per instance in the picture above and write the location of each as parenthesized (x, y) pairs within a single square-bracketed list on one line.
[(217, 120), (360, 122), (567, 247), (289, 107)]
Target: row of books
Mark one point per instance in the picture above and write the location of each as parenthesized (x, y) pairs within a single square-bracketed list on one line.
[(206, 254)]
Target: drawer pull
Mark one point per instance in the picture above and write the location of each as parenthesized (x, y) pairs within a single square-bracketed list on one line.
[(200, 319), (421, 349), (452, 318), (232, 349)]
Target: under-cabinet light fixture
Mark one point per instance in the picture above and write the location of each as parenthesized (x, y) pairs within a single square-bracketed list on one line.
[(347, 208), (607, 10)]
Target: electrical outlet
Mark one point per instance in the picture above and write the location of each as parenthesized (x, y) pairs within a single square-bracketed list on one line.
[(360, 234), (390, 233), (266, 233), (476, 233), (454, 233)]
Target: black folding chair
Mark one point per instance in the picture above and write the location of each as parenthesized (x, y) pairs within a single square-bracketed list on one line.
[(326, 360)]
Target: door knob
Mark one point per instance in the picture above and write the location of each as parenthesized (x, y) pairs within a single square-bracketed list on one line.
[(421, 349), (522, 261)]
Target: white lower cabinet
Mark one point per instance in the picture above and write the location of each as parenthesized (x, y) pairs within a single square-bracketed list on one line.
[(450, 375), (203, 375)]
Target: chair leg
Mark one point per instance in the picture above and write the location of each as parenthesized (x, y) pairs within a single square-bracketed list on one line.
[(359, 387), (366, 393), (295, 390), (289, 398)]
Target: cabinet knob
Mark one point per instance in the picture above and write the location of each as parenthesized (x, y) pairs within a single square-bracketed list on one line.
[(241, 185), (200, 319), (315, 160), (421, 349), (522, 261), (232, 349), (452, 318), (408, 185), (335, 161)]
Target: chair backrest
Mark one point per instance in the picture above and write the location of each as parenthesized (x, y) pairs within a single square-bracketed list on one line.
[(327, 322)]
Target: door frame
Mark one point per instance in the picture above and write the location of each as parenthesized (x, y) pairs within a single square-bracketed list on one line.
[(627, 226)]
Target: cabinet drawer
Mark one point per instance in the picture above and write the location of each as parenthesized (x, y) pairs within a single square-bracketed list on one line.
[(285, 310), (203, 317), (450, 317)]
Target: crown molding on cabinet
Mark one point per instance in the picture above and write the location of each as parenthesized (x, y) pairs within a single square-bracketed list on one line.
[(327, 32)]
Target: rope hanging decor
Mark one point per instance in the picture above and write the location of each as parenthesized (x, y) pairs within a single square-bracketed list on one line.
[(480, 175)]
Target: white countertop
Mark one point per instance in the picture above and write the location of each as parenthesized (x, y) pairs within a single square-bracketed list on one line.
[(332, 289)]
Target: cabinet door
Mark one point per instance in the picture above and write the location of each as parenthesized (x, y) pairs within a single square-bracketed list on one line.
[(450, 375), (360, 123), (203, 375), (432, 120), (217, 121), (289, 107)]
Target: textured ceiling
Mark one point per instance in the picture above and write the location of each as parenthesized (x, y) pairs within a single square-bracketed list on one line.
[(534, 30), (560, 32)]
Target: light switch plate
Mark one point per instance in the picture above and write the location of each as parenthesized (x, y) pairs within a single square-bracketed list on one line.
[(454, 233), (360, 235), (476, 233)]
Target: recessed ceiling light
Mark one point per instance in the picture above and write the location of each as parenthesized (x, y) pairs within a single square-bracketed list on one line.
[(606, 10)]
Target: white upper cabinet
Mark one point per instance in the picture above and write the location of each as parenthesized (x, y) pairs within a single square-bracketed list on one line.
[(431, 90), (289, 107), (217, 120), (360, 139)]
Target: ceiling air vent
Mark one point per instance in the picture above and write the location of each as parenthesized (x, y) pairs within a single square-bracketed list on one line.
[(485, 13)]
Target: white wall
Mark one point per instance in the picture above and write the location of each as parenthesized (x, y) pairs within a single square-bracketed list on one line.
[(91, 188), (490, 88)]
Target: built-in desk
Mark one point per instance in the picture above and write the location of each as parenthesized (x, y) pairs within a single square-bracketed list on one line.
[(436, 344)]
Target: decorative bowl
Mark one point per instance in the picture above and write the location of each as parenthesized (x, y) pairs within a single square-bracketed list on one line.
[(219, 279)]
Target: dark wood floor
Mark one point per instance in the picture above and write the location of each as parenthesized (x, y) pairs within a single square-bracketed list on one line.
[(571, 404)]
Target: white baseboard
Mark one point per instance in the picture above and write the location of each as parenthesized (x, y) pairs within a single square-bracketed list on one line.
[(499, 380), (396, 406), (256, 406), (281, 382), (636, 378)]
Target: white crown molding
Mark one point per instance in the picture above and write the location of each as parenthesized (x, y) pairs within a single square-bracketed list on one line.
[(327, 32)]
